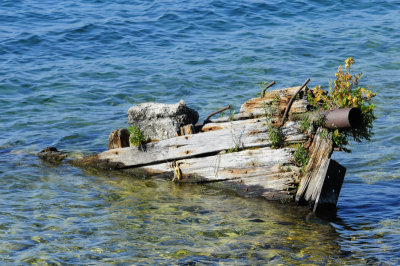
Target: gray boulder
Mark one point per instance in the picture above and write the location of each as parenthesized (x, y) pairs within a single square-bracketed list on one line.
[(161, 121)]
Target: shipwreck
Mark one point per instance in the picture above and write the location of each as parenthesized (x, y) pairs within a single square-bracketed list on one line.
[(275, 148)]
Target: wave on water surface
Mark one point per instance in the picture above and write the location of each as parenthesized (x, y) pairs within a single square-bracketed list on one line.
[(69, 71)]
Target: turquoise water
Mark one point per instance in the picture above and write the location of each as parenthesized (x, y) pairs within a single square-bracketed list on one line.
[(69, 71)]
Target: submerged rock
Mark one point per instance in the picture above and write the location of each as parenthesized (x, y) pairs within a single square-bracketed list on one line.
[(161, 121), (51, 154)]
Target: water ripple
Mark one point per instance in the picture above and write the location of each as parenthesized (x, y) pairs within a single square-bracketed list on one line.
[(69, 70)]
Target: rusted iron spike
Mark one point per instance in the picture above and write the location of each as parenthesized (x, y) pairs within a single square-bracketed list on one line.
[(291, 101), (216, 112), (266, 88)]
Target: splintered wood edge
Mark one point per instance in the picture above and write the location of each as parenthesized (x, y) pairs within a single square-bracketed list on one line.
[(320, 150)]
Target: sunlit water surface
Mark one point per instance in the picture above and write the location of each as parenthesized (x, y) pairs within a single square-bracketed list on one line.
[(69, 71)]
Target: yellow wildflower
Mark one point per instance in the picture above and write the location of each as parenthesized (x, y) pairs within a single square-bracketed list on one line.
[(349, 61)]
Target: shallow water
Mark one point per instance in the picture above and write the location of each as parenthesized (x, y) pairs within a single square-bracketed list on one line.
[(70, 70)]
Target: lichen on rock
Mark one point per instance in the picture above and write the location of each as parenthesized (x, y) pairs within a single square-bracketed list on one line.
[(161, 121)]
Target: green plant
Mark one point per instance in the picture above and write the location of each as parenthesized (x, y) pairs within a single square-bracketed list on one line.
[(232, 115), (301, 156), (345, 92), (275, 134), (319, 122), (136, 137), (276, 137), (234, 149), (305, 123), (324, 133), (340, 140)]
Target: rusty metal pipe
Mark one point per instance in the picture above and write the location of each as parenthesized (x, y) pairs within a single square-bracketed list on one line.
[(342, 118)]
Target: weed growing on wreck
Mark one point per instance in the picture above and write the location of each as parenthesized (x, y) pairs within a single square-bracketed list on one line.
[(301, 156), (276, 137), (345, 92), (235, 140), (136, 137), (305, 123), (339, 139), (235, 149), (319, 122), (275, 134), (324, 133)]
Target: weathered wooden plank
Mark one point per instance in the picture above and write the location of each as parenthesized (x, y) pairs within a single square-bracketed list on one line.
[(240, 135), (282, 188), (263, 172), (320, 150), (279, 99), (211, 126), (239, 116), (291, 130), (255, 108), (232, 165)]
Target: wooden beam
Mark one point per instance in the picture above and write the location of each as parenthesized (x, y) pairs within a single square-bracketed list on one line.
[(264, 172), (233, 135), (320, 150)]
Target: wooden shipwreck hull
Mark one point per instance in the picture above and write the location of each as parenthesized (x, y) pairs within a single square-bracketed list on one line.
[(236, 153)]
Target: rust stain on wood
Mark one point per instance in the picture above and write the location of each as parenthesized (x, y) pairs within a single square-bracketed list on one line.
[(235, 172), (254, 132), (186, 152), (253, 103), (178, 146), (212, 128)]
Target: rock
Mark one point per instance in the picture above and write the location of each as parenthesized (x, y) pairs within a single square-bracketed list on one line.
[(51, 154), (161, 121), (119, 138)]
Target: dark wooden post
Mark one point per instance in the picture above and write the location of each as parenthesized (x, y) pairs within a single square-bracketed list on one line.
[(329, 188)]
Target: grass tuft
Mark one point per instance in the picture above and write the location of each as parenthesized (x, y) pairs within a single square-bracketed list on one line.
[(136, 138)]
